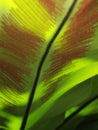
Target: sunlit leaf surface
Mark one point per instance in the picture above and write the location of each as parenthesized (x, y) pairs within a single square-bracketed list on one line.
[(69, 73)]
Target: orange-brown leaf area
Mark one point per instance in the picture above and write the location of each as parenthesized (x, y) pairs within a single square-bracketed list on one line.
[(18, 51), (75, 41), (54, 7), (20, 46)]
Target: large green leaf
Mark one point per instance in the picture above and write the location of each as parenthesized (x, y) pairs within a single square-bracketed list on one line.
[(49, 45)]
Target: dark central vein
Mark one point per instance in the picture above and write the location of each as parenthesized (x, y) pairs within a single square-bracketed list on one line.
[(31, 97)]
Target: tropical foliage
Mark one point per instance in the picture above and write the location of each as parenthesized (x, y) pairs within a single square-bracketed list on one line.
[(48, 64)]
